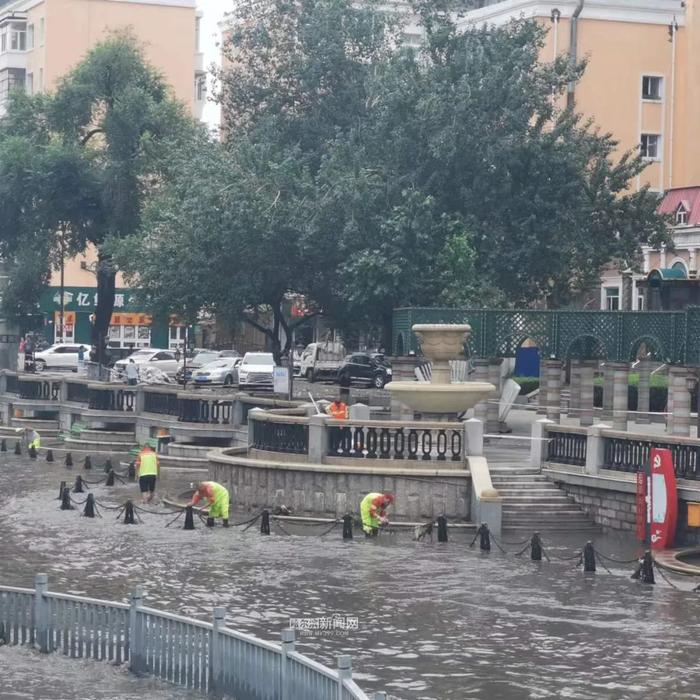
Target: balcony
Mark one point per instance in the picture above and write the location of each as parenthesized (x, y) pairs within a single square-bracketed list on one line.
[(13, 60)]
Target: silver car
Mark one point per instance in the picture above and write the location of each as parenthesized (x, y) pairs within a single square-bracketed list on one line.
[(222, 371)]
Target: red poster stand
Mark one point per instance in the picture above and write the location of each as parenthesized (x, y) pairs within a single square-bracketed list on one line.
[(662, 499)]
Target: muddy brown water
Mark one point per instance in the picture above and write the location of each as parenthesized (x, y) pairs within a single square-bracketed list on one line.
[(435, 620)]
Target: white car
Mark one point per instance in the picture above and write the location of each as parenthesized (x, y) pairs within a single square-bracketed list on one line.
[(223, 371), (60, 356), (164, 360), (256, 369)]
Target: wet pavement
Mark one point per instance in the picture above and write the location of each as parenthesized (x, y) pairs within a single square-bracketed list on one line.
[(434, 620)]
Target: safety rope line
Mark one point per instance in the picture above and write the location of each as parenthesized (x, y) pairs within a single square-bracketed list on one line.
[(153, 512), (614, 560), (600, 561), (251, 523), (76, 502), (177, 517), (281, 527), (664, 577)]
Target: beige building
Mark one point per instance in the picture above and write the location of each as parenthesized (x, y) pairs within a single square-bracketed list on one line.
[(40, 42)]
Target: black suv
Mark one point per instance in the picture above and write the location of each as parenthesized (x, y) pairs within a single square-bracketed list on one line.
[(370, 368)]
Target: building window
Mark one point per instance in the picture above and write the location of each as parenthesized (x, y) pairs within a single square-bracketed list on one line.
[(612, 298), (3, 39), (200, 88), (29, 84), (650, 146), (18, 40), (640, 303), (681, 215), (41, 79), (42, 28), (651, 87)]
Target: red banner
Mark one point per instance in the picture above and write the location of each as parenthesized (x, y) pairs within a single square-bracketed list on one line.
[(641, 506), (662, 514)]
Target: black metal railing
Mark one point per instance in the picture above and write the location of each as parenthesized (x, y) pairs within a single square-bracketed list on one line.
[(281, 437), (632, 456), (378, 442), (567, 448), (77, 392), (164, 404), (200, 410), (11, 384), (112, 399), (41, 390)]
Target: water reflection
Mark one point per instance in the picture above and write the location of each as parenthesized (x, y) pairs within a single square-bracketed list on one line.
[(435, 620)]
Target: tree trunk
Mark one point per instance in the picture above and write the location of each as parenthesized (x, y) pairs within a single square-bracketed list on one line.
[(387, 332), (106, 284)]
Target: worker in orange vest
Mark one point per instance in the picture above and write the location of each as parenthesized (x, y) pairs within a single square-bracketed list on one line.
[(337, 410)]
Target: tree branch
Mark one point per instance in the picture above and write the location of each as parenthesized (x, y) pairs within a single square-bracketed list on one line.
[(90, 134)]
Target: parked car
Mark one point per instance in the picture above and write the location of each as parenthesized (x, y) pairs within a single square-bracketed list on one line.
[(163, 360), (256, 369), (202, 358), (59, 356), (222, 371), (321, 360), (367, 368)]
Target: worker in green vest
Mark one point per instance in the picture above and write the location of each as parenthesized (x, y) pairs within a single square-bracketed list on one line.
[(147, 469), (217, 497), (373, 511)]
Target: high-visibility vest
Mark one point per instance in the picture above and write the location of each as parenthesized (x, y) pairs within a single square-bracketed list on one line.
[(148, 464), (338, 410)]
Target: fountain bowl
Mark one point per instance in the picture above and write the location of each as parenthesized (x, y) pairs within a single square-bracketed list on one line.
[(440, 398), (442, 341)]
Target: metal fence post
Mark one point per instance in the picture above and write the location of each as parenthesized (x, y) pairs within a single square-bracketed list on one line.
[(288, 639), (216, 655), (136, 641), (344, 672), (41, 613)]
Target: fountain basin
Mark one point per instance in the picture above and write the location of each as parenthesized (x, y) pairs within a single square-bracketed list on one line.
[(440, 398), (442, 341)]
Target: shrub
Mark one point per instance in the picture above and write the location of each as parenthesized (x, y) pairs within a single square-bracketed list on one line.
[(527, 384)]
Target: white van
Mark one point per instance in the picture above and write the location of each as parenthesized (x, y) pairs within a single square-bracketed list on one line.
[(322, 360)]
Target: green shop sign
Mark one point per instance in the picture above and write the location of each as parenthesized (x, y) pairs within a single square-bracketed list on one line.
[(83, 299)]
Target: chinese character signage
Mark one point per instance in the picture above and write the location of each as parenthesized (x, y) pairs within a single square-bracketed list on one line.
[(83, 299)]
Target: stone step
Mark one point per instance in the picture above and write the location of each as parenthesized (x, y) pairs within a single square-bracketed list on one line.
[(536, 489), (535, 521), (8, 432), (166, 460), (587, 526), (105, 445), (178, 449), (540, 510), (36, 423), (527, 500), (107, 436)]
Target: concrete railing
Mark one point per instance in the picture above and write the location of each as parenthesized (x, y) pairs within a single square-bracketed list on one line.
[(208, 657)]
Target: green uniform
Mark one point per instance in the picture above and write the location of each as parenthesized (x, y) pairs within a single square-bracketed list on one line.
[(369, 522), (34, 440), (148, 464)]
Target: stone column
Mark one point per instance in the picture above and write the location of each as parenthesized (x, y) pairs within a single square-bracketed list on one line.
[(586, 376), (575, 389), (481, 374), (493, 400), (620, 376), (678, 386), (553, 384), (644, 370), (607, 412), (542, 395), (403, 370)]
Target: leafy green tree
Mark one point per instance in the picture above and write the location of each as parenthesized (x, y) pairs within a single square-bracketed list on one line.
[(77, 164)]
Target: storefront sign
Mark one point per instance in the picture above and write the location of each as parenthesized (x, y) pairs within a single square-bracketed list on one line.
[(280, 379), (83, 299)]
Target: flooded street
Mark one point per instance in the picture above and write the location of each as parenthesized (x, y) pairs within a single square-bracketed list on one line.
[(435, 620)]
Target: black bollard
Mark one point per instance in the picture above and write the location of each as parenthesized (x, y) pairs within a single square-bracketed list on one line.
[(110, 478), (87, 462), (60, 490), (49, 455), (78, 486), (536, 547), (18, 448), (647, 568), (129, 514), (189, 519), (3, 445), (442, 528), (69, 459), (108, 466), (131, 473), (89, 510), (65, 500), (484, 537), (210, 522), (32, 452), (347, 527), (589, 557), (265, 523)]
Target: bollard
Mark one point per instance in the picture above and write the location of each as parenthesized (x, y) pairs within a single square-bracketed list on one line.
[(129, 514), (60, 490), (536, 547), (87, 462), (78, 487), (210, 522), (89, 510), (110, 478), (131, 473), (18, 448), (589, 557), (65, 500), (442, 528), (484, 538), (347, 527), (189, 519), (32, 452), (265, 523), (647, 568), (49, 456), (108, 466), (69, 459), (3, 445)]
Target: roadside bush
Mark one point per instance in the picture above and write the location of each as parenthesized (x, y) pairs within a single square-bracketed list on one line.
[(527, 384)]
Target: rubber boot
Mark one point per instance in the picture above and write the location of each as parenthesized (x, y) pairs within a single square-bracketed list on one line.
[(210, 522), (224, 522)]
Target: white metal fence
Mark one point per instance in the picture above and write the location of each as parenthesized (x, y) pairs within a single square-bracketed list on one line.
[(203, 656)]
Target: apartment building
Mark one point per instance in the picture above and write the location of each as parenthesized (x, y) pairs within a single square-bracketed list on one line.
[(40, 41)]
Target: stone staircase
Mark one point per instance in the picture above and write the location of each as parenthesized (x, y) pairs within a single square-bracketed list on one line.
[(185, 455), (45, 427), (96, 440), (532, 502)]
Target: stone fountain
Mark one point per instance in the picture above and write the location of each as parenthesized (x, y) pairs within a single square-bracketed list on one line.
[(441, 343)]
